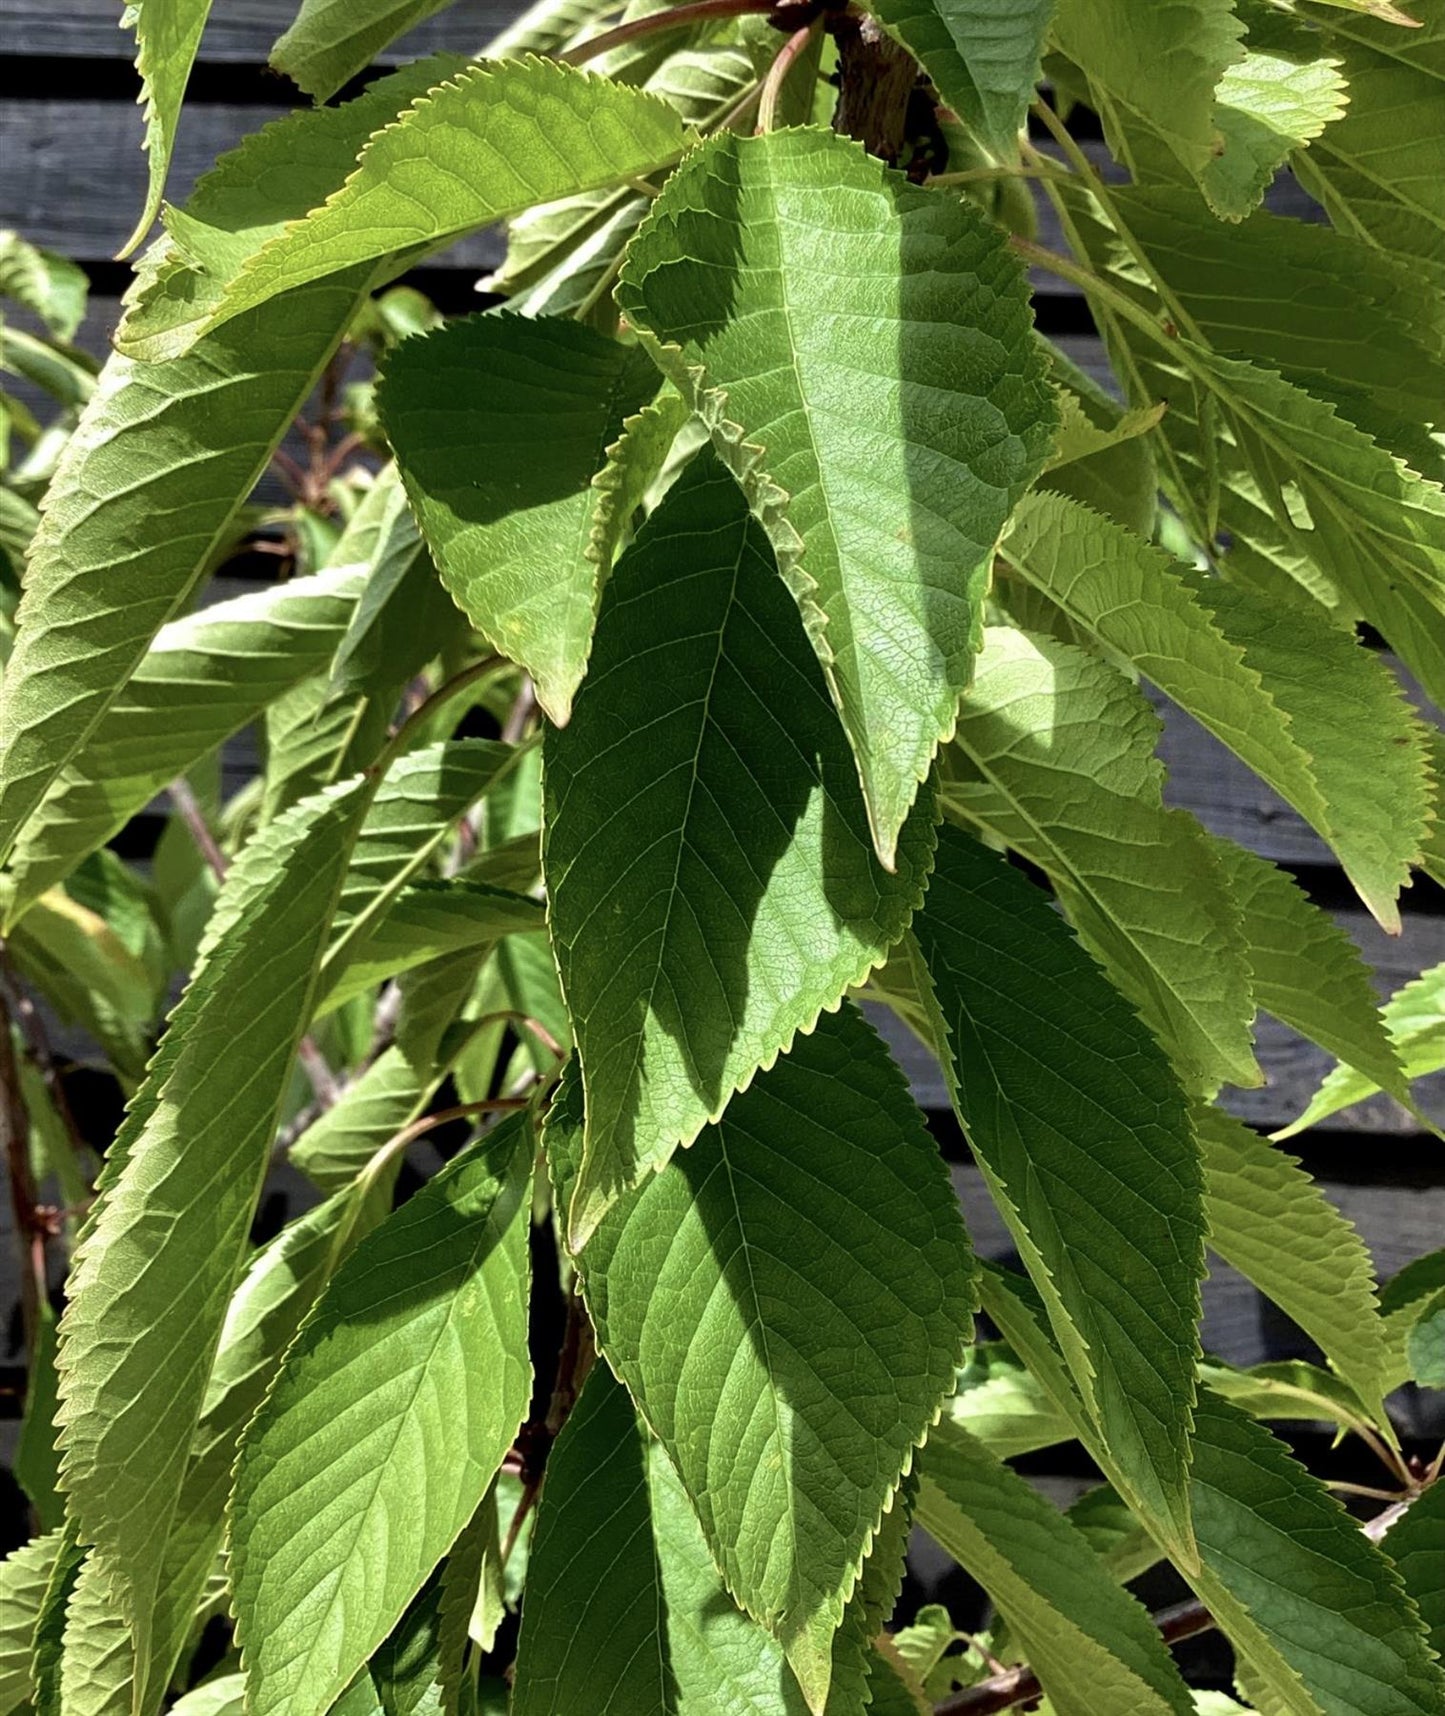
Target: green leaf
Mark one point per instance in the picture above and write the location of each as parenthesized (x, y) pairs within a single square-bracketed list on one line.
[(140, 498), (274, 176), (422, 796), (1308, 709), (1054, 756), (1329, 311), (983, 59), (1380, 169), (1416, 1544), (1425, 1344), (167, 33), (223, 1696), (1114, 1533), (420, 1669), (51, 286), (1414, 1017), (389, 1420), (203, 678), (644, 1627), (501, 478), (1092, 1645), (96, 1657), (1267, 105), (1307, 971), (1312, 1606), (403, 617), (711, 883), (278, 1288), (162, 1247), (1368, 521), (647, 1628), (819, 1293), (1406, 1297), (24, 1577), (1085, 1140), (329, 41), (1269, 1220), (1158, 66), (1000, 1404), (36, 1463), (1317, 1609), (881, 420), (494, 139)]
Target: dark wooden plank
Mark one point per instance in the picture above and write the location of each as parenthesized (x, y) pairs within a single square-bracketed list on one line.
[(238, 30)]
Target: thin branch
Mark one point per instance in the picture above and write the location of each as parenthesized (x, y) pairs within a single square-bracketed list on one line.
[(428, 707), (38, 1052), (1021, 1685), (787, 58), (674, 18)]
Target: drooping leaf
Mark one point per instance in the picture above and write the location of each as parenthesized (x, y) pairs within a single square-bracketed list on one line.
[(204, 677), (47, 284), (1269, 1220), (1414, 1016), (273, 177), (1092, 1645), (1159, 68), (1416, 1544), (501, 476), (644, 1627), (329, 41), (817, 1275), (278, 1288), (1307, 971), (97, 1660), (495, 138), (691, 952), (402, 616), (36, 1465), (389, 1420), (983, 59), (158, 1260), (414, 809), (1315, 1610), (1367, 520), (1310, 711), (24, 1576), (140, 498), (1054, 755), (167, 33), (1086, 1143), (881, 420), (1380, 169)]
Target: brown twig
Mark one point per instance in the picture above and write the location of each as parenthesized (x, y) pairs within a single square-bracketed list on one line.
[(1018, 1685), (38, 1052), (674, 18), (787, 58)]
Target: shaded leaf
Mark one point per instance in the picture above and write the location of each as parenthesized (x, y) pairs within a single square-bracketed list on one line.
[(51, 286), (501, 477), (1086, 1143), (818, 1281), (881, 420), (1416, 1544), (24, 1576), (329, 41), (711, 882), (1267, 105)]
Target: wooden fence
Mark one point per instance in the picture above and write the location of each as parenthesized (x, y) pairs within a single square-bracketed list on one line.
[(72, 177)]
